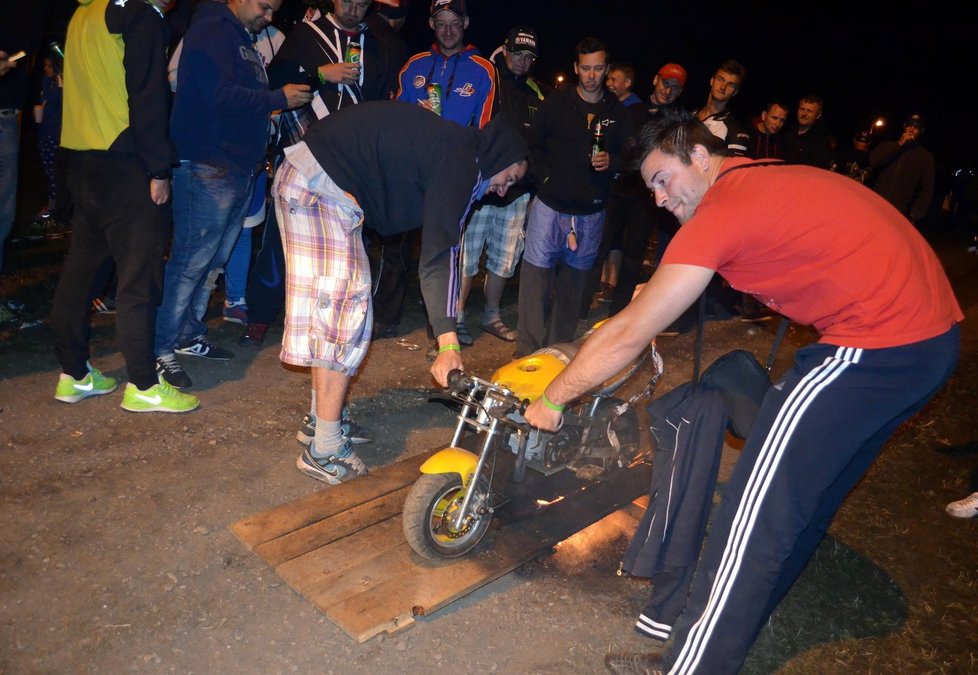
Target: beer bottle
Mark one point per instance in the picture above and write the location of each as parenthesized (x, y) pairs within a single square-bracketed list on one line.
[(434, 97), (597, 143)]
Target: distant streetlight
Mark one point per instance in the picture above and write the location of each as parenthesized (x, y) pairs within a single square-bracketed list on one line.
[(560, 81), (878, 124)]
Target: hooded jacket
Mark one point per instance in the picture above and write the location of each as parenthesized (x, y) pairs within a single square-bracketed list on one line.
[(400, 161), (116, 97), (906, 176), (560, 143), (304, 50), (518, 99), (222, 106), (468, 88)]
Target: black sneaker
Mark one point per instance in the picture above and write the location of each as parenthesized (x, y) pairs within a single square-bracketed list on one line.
[(205, 349), (254, 336), (383, 330), (169, 369)]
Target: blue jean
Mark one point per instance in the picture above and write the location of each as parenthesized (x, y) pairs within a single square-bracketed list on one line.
[(9, 146), (236, 268), (209, 205)]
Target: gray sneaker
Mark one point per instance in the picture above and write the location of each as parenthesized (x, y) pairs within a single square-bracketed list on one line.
[(351, 430), (334, 469)]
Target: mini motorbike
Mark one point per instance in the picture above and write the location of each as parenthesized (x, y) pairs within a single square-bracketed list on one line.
[(449, 508)]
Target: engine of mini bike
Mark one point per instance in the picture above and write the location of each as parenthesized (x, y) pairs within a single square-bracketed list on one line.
[(596, 438)]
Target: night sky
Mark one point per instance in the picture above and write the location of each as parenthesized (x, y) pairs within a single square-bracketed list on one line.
[(866, 58)]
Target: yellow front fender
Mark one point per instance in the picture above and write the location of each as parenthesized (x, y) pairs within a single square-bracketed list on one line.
[(452, 460)]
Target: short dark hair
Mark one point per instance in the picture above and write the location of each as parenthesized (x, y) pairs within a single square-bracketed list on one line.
[(589, 45), (626, 68), (812, 98), (674, 132), (734, 68), (776, 102)]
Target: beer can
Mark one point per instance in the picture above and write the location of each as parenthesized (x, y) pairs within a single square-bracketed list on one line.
[(353, 52), (434, 97)]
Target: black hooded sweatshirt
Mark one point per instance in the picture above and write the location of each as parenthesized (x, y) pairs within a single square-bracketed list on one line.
[(404, 164)]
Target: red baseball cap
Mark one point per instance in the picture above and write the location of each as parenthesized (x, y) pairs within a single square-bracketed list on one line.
[(673, 71)]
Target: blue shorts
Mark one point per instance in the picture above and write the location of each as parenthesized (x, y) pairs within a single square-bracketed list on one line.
[(546, 237)]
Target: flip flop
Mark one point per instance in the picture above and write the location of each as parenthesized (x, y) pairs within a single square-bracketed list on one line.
[(498, 329), (464, 336)]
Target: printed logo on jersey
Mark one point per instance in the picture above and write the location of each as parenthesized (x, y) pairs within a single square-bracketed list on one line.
[(419, 81), (465, 90)]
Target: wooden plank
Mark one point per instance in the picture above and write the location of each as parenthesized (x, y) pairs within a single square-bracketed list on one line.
[(356, 549), (337, 526), (423, 587), (275, 522), (344, 551)]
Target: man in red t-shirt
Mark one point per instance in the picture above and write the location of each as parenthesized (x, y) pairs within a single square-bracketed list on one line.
[(822, 250)]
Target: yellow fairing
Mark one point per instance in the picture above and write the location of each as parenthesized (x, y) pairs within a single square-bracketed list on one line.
[(529, 376), (452, 460)]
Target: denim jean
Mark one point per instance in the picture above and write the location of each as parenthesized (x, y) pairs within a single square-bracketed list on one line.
[(209, 205), (9, 146), (236, 269)]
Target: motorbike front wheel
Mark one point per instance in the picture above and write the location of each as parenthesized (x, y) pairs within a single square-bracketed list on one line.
[(429, 515)]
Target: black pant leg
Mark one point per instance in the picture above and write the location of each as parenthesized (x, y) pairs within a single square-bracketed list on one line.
[(390, 282), (569, 289), (533, 305), (266, 281)]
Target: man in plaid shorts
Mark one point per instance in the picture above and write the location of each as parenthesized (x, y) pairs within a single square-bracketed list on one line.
[(386, 163)]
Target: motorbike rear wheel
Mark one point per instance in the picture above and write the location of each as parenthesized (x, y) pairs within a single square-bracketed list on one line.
[(430, 509)]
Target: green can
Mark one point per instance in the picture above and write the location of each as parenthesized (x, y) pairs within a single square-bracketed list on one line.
[(434, 97), (353, 52)]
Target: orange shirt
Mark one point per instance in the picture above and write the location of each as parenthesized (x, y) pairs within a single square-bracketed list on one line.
[(823, 250)]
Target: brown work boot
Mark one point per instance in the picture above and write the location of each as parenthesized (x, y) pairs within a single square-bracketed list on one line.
[(634, 663)]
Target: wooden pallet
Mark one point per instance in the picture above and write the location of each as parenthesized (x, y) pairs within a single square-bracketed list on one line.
[(343, 549)]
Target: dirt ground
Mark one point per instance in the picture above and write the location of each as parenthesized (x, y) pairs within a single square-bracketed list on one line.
[(115, 554)]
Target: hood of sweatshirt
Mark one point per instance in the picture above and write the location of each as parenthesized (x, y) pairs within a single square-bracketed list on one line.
[(499, 146)]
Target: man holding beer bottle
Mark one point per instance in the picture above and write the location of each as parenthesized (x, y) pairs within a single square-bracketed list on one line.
[(575, 140)]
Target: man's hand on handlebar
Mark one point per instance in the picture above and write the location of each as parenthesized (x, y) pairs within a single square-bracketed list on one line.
[(542, 416), (449, 358)]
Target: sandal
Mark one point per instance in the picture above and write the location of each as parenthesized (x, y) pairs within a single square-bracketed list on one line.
[(464, 336), (498, 329)]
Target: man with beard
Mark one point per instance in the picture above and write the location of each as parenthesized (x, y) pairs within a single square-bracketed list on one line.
[(219, 124)]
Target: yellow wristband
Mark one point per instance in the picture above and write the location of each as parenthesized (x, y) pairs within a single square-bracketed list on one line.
[(550, 404), (449, 348)]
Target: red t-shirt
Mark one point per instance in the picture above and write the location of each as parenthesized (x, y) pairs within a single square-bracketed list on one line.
[(823, 250)]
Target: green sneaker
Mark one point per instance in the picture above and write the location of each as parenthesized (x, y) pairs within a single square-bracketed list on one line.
[(95, 383), (162, 397)]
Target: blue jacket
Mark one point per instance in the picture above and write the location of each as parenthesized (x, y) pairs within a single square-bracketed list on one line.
[(467, 80), (222, 105)]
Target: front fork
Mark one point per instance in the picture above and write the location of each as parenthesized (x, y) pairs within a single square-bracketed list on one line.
[(467, 465)]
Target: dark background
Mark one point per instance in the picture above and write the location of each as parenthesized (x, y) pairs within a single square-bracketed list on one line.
[(866, 59)]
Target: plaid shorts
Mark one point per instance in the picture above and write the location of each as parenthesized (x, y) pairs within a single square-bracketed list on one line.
[(500, 230), (328, 312)]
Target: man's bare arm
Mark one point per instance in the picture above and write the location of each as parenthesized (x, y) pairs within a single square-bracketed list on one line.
[(671, 290)]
